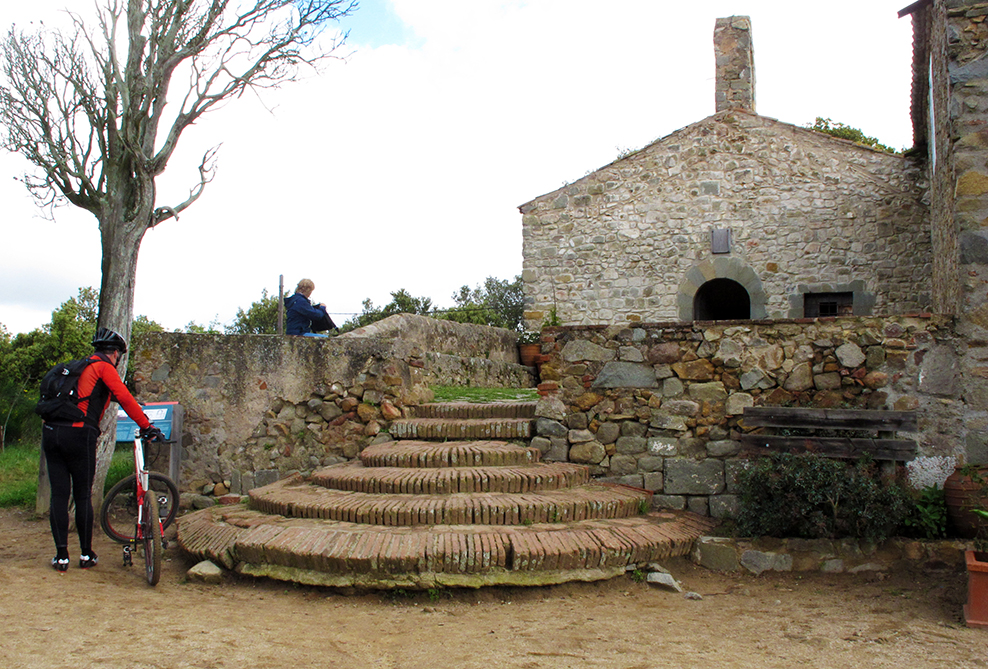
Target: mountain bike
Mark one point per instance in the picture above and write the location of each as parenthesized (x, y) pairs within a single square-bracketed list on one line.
[(137, 510)]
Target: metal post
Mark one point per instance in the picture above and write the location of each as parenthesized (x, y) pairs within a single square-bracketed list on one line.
[(281, 304)]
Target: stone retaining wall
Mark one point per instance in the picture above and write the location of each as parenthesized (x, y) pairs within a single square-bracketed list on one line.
[(259, 406), (659, 406)]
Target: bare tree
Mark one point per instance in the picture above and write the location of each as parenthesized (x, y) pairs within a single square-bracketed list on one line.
[(89, 108)]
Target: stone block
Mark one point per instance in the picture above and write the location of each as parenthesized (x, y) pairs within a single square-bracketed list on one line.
[(850, 355), (760, 561), (265, 477), (626, 375), (558, 450), (551, 407), (652, 481), (650, 463), (608, 432), (723, 506), (691, 477), (717, 553), (623, 465), (674, 502), (631, 445), (550, 428), (697, 505), (588, 452), (713, 391), (736, 402), (206, 572), (722, 448), (663, 446)]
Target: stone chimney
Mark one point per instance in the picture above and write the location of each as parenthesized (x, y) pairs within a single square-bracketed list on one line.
[(735, 64)]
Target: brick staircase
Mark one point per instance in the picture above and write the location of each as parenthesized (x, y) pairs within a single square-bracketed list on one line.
[(415, 513)]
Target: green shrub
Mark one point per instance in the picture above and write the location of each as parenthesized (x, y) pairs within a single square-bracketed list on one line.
[(811, 497), (19, 475), (927, 517)]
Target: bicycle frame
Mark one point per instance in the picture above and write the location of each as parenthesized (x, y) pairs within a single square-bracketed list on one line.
[(141, 474)]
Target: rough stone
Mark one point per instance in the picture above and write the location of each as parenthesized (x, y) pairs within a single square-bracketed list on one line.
[(626, 375), (850, 355), (717, 553), (206, 572), (588, 452), (691, 477)]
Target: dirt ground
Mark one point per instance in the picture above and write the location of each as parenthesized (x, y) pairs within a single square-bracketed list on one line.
[(108, 617)]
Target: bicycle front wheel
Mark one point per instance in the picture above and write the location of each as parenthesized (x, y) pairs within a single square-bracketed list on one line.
[(118, 515), (152, 540)]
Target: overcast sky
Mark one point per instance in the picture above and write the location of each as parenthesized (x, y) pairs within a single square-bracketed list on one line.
[(403, 165)]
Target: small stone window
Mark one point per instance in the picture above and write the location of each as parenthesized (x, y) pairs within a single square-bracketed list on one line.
[(823, 305)]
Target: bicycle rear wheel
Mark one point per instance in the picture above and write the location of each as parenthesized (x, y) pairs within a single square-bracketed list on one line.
[(152, 540), (118, 514)]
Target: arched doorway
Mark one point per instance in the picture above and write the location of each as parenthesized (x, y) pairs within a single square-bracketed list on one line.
[(721, 300)]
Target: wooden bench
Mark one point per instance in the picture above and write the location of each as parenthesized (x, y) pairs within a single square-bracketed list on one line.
[(874, 432)]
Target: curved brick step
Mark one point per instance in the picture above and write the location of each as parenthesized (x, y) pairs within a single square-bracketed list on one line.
[(466, 428), (353, 476), (423, 454), (294, 497), (345, 554), (459, 410)]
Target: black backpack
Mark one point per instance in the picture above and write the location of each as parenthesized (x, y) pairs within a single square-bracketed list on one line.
[(60, 393)]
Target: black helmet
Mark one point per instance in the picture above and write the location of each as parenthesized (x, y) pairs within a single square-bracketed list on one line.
[(107, 339)]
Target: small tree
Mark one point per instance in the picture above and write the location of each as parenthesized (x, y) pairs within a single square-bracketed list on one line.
[(261, 317), (842, 131), (496, 302), (401, 302), (89, 110)]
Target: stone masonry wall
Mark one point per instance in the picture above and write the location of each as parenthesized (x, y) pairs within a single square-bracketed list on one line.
[(258, 407), (660, 406), (966, 44), (631, 242)]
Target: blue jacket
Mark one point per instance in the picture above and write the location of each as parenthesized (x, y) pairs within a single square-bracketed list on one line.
[(299, 314)]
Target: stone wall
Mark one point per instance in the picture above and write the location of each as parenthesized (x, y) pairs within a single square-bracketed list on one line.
[(258, 406), (966, 37), (660, 406), (806, 212)]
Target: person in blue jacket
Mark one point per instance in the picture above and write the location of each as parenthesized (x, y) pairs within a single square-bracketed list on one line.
[(304, 318)]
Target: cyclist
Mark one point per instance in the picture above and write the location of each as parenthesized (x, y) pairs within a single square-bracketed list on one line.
[(70, 448)]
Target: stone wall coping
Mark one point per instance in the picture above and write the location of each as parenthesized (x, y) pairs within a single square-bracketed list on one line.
[(691, 325)]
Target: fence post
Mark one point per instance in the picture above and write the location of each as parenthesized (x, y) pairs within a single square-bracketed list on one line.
[(281, 304)]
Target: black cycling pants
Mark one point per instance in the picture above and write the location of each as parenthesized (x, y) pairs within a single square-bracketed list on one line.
[(70, 453)]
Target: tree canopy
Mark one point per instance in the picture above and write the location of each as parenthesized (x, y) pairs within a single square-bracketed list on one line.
[(842, 131), (99, 109)]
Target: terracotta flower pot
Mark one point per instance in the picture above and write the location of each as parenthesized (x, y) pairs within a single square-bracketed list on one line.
[(528, 353), (963, 493), (976, 609)]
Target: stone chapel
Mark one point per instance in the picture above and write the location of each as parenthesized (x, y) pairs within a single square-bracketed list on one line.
[(737, 216)]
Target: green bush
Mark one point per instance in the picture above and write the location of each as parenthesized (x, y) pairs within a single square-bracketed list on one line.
[(927, 517), (811, 497), (19, 475)]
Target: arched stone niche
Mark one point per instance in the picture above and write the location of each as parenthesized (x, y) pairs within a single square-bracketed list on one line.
[(732, 268)]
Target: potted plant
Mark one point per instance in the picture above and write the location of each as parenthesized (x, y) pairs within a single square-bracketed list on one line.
[(966, 490), (976, 609), (529, 346)]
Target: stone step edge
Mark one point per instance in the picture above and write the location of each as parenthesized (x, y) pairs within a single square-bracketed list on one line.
[(441, 428), (414, 453), (243, 536), (524, 410), (354, 477), (587, 502)]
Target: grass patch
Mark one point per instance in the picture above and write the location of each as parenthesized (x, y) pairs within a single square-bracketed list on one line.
[(19, 473), (483, 395)]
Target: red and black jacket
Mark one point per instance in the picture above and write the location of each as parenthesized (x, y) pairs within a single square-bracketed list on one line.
[(98, 384)]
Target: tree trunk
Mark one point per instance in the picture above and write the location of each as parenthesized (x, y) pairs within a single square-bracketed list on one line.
[(121, 241)]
